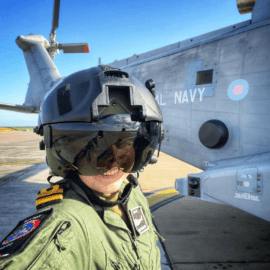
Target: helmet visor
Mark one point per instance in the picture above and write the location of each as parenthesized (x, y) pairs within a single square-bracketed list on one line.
[(95, 148)]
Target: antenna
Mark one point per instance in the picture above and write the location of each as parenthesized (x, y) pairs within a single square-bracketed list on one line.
[(66, 47)]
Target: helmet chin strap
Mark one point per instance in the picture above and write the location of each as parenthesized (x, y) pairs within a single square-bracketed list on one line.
[(133, 180), (66, 164), (161, 136)]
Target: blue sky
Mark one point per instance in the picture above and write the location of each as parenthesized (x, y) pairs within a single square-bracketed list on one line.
[(113, 29)]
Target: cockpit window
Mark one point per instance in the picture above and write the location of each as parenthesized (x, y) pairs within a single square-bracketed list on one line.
[(204, 77)]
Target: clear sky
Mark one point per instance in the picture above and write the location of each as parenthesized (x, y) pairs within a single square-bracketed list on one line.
[(114, 30)]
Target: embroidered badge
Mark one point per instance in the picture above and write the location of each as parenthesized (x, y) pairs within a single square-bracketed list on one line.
[(23, 230), (23, 233), (139, 219)]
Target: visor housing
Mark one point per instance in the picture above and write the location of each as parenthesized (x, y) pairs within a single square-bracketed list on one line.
[(93, 149)]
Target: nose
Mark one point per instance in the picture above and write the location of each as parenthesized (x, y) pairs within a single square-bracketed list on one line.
[(109, 159)]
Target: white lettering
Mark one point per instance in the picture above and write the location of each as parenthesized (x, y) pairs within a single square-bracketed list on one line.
[(201, 93), (178, 97), (185, 97), (246, 196), (181, 98), (7, 245), (192, 97), (161, 100), (157, 99), (31, 218)]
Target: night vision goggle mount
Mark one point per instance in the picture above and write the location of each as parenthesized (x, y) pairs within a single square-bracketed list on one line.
[(117, 88), (123, 94)]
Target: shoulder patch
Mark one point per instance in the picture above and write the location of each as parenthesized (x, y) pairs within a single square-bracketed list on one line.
[(23, 233), (49, 196)]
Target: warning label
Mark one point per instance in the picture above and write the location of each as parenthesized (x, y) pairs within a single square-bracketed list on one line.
[(246, 196)]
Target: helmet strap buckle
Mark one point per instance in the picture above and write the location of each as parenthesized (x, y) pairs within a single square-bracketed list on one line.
[(70, 166), (133, 180)]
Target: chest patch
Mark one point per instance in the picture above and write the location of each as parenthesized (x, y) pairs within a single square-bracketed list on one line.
[(139, 219), (23, 233)]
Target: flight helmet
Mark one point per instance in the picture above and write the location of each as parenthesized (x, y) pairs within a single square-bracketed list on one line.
[(97, 119)]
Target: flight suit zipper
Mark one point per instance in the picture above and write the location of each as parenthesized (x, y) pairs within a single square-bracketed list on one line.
[(132, 238), (115, 265), (57, 230)]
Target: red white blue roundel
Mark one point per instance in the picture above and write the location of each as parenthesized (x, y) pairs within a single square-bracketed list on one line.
[(238, 89), (22, 231)]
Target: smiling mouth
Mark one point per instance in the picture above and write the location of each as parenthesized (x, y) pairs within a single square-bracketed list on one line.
[(109, 173), (113, 171)]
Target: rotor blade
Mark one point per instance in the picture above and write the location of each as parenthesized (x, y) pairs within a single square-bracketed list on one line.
[(18, 108), (74, 47), (56, 10)]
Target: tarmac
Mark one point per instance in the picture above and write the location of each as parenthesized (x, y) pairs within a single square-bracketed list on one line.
[(198, 235)]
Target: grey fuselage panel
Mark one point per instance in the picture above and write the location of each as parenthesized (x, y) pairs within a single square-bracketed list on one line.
[(213, 91)]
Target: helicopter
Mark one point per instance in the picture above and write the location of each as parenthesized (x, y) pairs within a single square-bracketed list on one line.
[(213, 91), (207, 88)]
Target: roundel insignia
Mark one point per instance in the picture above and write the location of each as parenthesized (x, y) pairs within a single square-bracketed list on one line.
[(238, 89)]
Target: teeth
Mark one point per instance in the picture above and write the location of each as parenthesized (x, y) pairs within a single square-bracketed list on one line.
[(111, 173)]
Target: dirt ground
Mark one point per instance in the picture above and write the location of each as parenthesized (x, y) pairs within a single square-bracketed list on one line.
[(157, 176)]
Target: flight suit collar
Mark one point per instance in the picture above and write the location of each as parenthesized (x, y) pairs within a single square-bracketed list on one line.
[(100, 204), (113, 219), (109, 216)]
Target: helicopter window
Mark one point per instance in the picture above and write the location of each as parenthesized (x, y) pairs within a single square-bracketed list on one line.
[(204, 77), (115, 74)]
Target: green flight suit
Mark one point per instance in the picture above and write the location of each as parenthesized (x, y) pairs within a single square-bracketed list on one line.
[(76, 237)]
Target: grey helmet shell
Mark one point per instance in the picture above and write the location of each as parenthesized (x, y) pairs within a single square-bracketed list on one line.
[(83, 101)]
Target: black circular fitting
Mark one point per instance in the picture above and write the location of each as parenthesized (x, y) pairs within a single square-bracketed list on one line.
[(193, 183), (213, 134), (150, 85)]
